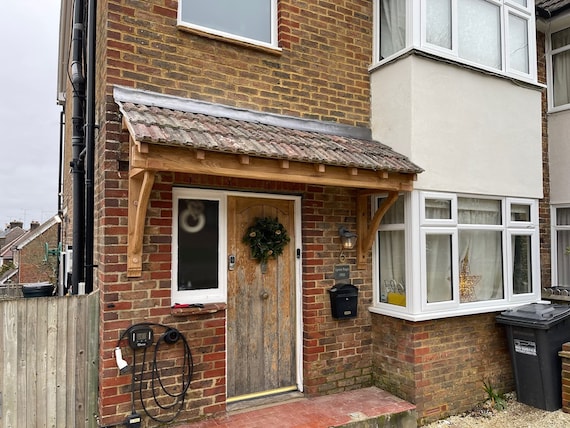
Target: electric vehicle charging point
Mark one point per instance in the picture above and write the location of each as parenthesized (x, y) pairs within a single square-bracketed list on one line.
[(140, 339)]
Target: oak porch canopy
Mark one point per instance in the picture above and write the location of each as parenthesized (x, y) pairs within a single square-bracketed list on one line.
[(172, 134)]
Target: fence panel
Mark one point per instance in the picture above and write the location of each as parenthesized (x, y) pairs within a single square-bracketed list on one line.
[(48, 362)]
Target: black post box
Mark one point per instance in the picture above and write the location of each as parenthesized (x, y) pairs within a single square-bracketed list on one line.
[(344, 301)]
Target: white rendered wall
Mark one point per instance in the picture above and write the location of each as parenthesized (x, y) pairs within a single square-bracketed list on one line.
[(559, 156), (470, 132)]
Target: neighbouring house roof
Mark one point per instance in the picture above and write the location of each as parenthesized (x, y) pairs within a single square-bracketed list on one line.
[(34, 233), (11, 237), (552, 7), (172, 121), (8, 275)]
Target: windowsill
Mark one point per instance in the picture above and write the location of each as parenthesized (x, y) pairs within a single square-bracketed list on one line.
[(206, 309), (559, 109), (262, 48), (426, 316), (456, 62)]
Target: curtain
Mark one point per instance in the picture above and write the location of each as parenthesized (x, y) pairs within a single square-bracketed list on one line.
[(561, 68), (392, 27), (563, 242)]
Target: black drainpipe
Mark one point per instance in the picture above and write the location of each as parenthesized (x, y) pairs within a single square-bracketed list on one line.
[(90, 148), (77, 145)]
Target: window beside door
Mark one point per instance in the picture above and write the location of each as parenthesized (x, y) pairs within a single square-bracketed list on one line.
[(198, 270)]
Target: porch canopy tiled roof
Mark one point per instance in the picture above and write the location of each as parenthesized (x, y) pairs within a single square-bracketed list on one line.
[(176, 134), (551, 7)]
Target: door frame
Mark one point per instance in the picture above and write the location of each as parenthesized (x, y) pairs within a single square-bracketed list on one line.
[(298, 263)]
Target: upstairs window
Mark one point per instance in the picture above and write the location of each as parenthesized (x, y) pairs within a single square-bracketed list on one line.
[(251, 21), (560, 68), (497, 35), (392, 27)]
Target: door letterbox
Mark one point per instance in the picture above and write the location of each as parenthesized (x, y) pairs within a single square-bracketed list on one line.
[(344, 301)]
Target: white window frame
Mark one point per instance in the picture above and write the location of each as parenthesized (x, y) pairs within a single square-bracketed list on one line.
[(213, 295), (554, 228), (272, 44), (417, 227), (555, 26), (416, 37)]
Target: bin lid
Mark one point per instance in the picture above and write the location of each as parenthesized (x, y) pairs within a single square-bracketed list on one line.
[(538, 315)]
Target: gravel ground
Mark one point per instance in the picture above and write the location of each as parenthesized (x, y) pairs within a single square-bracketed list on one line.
[(516, 415)]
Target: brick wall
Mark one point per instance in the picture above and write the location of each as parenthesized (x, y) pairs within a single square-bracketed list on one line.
[(32, 263), (565, 358), (544, 203), (440, 365), (320, 73)]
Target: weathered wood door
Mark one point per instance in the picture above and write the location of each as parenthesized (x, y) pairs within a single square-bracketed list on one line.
[(261, 305)]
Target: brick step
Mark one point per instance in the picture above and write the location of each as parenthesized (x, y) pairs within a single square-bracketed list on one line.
[(363, 408)]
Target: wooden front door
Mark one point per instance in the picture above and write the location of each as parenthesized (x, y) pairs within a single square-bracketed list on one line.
[(261, 312)]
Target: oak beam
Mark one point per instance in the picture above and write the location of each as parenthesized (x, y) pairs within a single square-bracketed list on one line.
[(184, 160), (367, 232), (140, 186)]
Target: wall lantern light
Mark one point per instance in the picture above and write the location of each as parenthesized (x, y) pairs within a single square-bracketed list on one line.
[(347, 240)]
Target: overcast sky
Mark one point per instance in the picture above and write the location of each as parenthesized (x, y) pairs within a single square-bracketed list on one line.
[(29, 114)]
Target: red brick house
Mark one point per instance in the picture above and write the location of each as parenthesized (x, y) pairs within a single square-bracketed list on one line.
[(417, 127), (35, 253)]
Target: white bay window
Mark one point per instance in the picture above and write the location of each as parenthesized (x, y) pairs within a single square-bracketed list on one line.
[(465, 255), (496, 35)]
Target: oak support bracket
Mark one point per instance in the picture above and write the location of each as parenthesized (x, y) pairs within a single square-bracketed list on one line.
[(140, 186), (366, 229)]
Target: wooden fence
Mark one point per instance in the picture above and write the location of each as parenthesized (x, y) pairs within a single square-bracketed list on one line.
[(48, 361)]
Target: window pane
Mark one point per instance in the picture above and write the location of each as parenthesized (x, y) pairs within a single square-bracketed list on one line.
[(392, 267), (250, 19), (438, 22), (518, 44), (520, 212), (561, 78), (560, 38), (479, 211), (563, 216), (438, 266), (395, 215), (479, 26), (562, 258), (198, 240), (392, 27), (521, 2), (438, 209), (522, 268), (480, 265)]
